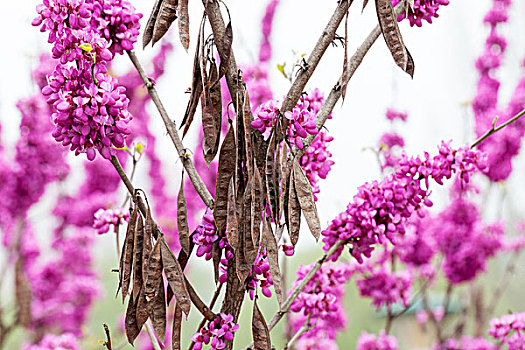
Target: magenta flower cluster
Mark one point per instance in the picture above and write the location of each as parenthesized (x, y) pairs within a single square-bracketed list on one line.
[(381, 209), (466, 343), (228, 255), (66, 341), (64, 288), (90, 108), (505, 145), (117, 22), (321, 294), (265, 50), (301, 121), (260, 275), (321, 305), (217, 333), (288, 249), (421, 10), (104, 218), (23, 183), (389, 144), (205, 236), (393, 114), (384, 287), (509, 330), (382, 341), (464, 240), (316, 161), (417, 247)]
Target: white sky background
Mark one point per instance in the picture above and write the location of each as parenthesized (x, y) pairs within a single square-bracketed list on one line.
[(445, 77)]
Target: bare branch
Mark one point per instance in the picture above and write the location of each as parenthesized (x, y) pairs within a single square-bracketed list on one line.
[(305, 328), (212, 304), (328, 35), (108, 337), (496, 129), (199, 304), (152, 336)]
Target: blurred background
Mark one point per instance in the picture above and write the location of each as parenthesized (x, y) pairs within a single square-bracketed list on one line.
[(437, 101)]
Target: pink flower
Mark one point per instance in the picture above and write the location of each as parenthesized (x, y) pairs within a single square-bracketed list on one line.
[(66, 341), (217, 333), (380, 342), (381, 209), (104, 218), (385, 288), (392, 114), (422, 10)]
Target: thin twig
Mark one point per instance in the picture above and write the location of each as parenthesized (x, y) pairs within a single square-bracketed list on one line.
[(435, 322), (389, 319), (328, 35), (496, 129), (204, 320), (285, 307), (446, 302), (236, 85), (129, 186), (336, 92), (498, 292), (133, 168), (117, 241), (152, 336), (305, 328), (196, 180), (199, 304), (108, 337)]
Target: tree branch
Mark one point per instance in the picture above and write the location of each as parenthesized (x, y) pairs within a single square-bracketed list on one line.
[(305, 328), (236, 85), (212, 304), (496, 129), (199, 304), (196, 300), (152, 336), (108, 337), (196, 180), (336, 92), (328, 35), (285, 307)]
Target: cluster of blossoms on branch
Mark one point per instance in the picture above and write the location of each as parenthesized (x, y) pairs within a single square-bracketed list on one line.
[(206, 236), (391, 142), (504, 146), (509, 330), (90, 108), (381, 209), (104, 218), (420, 10), (217, 333), (464, 240), (316, 160), (320, 306), (65, 341), (92, 111), (384, 287), (382, 341)]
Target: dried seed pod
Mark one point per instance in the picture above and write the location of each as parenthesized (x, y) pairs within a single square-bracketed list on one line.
[(306, 200), (260, 332), (175, 277), (126, 259)]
